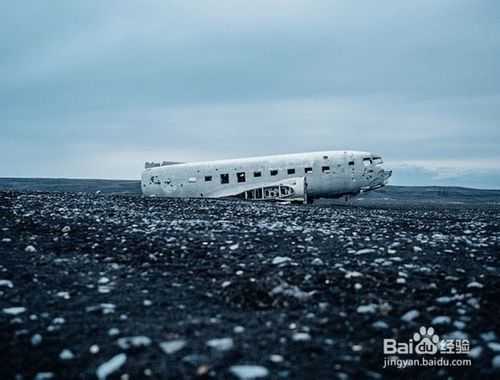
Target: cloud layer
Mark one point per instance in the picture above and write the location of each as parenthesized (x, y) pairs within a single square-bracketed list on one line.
[(96, 89)]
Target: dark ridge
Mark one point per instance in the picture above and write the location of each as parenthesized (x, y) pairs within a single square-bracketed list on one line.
[(386, 196)]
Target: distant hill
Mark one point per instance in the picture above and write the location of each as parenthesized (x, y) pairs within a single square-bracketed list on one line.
[(429, 194), (386, 195), (71, 185)]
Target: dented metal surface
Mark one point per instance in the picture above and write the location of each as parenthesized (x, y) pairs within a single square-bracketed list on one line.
[(298, 177)]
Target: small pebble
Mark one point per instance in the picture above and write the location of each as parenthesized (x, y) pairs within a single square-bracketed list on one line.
[(367, 309), (133, 342), (36, 340), (248, 372), (495, 362), (410, 316), (301, 337), (112, 365), (441, 320), (280, 260), (14, 310), (276, 358), (94, 349), (221, 344), (66, 355), (172, 346)]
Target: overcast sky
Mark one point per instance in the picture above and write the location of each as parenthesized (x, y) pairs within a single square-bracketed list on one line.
[(95, 88)]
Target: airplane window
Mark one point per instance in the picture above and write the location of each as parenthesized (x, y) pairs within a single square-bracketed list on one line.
[(257, 174), (241, 177), (351, 163), (377, 160), (274, 172), (325, 169), (224, 178), (367, 161), (208, 178), (291, 171), (308, 170)]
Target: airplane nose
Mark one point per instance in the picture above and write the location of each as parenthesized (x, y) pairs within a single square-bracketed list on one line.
[(386, 174), (380, 179)]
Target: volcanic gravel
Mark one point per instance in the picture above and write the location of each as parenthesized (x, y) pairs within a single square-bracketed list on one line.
[(95, 286)]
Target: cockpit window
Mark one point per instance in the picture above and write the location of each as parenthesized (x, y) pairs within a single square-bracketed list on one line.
[(378, 160), (367, 161)]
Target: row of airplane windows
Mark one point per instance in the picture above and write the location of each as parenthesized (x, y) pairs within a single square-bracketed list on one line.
[(241, 176)]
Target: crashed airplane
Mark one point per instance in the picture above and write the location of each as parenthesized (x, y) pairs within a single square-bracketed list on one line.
[(300, 177)]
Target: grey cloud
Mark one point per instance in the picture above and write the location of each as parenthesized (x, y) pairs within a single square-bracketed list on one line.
[(217, 79)]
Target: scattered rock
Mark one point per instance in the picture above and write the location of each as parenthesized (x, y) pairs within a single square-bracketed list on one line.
[(172, 346), (278, 260), (113, 331), (443, 300), (94, 349), (380, 325), (291, 291), (36, 340), (353, 274), (238, 329), (44, 376), (441, 320), (221, 344), (249, 372), (276, 358), (410, 316), (317, 261), (133, 342), (488, 336), (6, 283), (367, 309), (301, 337), (66, 355), (112, 365), (14, 310), (495, 362), (365, 251), (494, 346), (475, 284), (475, 352)]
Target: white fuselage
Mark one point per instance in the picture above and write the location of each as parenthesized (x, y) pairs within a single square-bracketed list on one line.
[(328, 174)]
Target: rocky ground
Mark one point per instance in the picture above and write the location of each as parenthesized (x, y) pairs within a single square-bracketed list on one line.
[(95, 286)]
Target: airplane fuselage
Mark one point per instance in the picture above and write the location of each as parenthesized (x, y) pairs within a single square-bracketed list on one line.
[(328, 174)]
